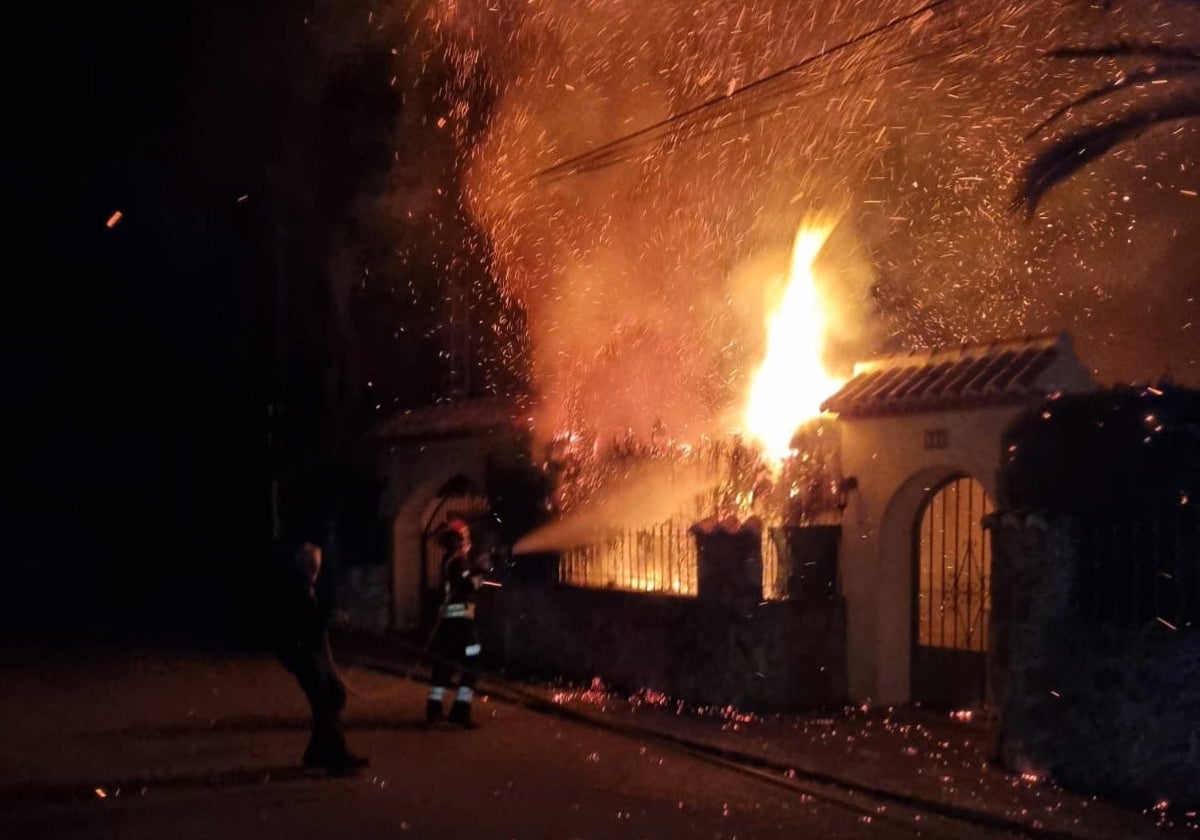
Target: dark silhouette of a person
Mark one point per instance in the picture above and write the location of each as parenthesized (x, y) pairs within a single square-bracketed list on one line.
[(304, 607)]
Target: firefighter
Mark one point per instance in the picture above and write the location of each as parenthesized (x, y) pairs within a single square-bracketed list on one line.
[(455, 645)]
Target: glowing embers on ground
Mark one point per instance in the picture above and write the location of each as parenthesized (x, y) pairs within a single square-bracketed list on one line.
[(792, 381)]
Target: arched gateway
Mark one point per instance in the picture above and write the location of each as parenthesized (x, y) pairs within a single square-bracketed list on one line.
[(436, 463), (921, 437), (952, 564)]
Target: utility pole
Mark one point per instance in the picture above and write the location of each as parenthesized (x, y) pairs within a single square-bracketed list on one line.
[(277, 408)]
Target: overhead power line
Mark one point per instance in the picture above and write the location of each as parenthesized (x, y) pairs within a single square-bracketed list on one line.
[(614, 150)]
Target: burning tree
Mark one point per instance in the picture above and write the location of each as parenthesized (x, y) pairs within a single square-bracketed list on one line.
[(626, 507)]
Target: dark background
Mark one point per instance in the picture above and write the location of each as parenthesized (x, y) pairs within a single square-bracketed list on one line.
[(162, 372)]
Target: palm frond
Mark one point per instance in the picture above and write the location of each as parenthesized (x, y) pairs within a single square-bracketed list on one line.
[(1074, 151), (1158, 64), (1145, 75), (1128, 49)]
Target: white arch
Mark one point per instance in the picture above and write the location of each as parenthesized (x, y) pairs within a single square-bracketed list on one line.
[(896, 467), (897, 532), (435, 467)]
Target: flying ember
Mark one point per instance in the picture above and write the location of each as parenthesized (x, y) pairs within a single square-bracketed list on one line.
[(792, 381)]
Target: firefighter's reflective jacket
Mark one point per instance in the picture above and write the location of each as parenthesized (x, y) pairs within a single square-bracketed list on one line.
[(461, 580), (455, 639)]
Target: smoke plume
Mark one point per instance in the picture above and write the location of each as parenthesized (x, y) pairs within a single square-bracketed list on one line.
[(644, 269)]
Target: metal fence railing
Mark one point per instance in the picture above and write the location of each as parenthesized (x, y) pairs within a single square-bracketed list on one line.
[(655, 558)]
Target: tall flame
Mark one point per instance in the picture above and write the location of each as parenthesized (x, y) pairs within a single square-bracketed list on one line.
[(792, 382)]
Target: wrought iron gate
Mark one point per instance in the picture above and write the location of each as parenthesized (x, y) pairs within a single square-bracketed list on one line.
[(952, 590)]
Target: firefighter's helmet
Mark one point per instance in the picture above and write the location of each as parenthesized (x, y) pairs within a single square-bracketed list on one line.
[(308, 560), (455, 534)]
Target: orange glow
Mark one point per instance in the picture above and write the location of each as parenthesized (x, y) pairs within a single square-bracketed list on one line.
[(792, 382), (113, 219)]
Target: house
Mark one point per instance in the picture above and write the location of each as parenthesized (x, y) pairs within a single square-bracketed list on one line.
[(920, 444)]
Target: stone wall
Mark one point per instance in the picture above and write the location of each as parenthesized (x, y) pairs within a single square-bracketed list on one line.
[(777, 656), (364, 598), (1099, 709)]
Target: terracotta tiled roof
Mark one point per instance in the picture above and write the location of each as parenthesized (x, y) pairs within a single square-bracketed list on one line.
[(966, 376), (456, 417)]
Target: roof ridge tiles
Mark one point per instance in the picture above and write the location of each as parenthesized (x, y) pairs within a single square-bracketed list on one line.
[(954, 377)]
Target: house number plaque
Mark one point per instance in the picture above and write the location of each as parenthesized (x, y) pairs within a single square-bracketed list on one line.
[(936, 438)]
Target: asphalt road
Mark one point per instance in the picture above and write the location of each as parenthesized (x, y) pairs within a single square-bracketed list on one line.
[(110, 743)]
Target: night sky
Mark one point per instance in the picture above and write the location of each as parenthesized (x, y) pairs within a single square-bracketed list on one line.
[(351, 183), (140, 355), (245, 148)]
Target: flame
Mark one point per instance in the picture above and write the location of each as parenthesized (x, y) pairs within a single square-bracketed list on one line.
[(792, 382)]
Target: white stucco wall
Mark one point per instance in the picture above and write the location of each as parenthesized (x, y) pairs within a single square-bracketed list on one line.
[(896, 472)]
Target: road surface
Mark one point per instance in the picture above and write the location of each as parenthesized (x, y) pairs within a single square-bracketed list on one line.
[(136, 744)]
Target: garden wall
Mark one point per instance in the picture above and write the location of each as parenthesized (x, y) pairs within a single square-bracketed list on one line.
[(773, 656), (1095, 664), (1098, 707)]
